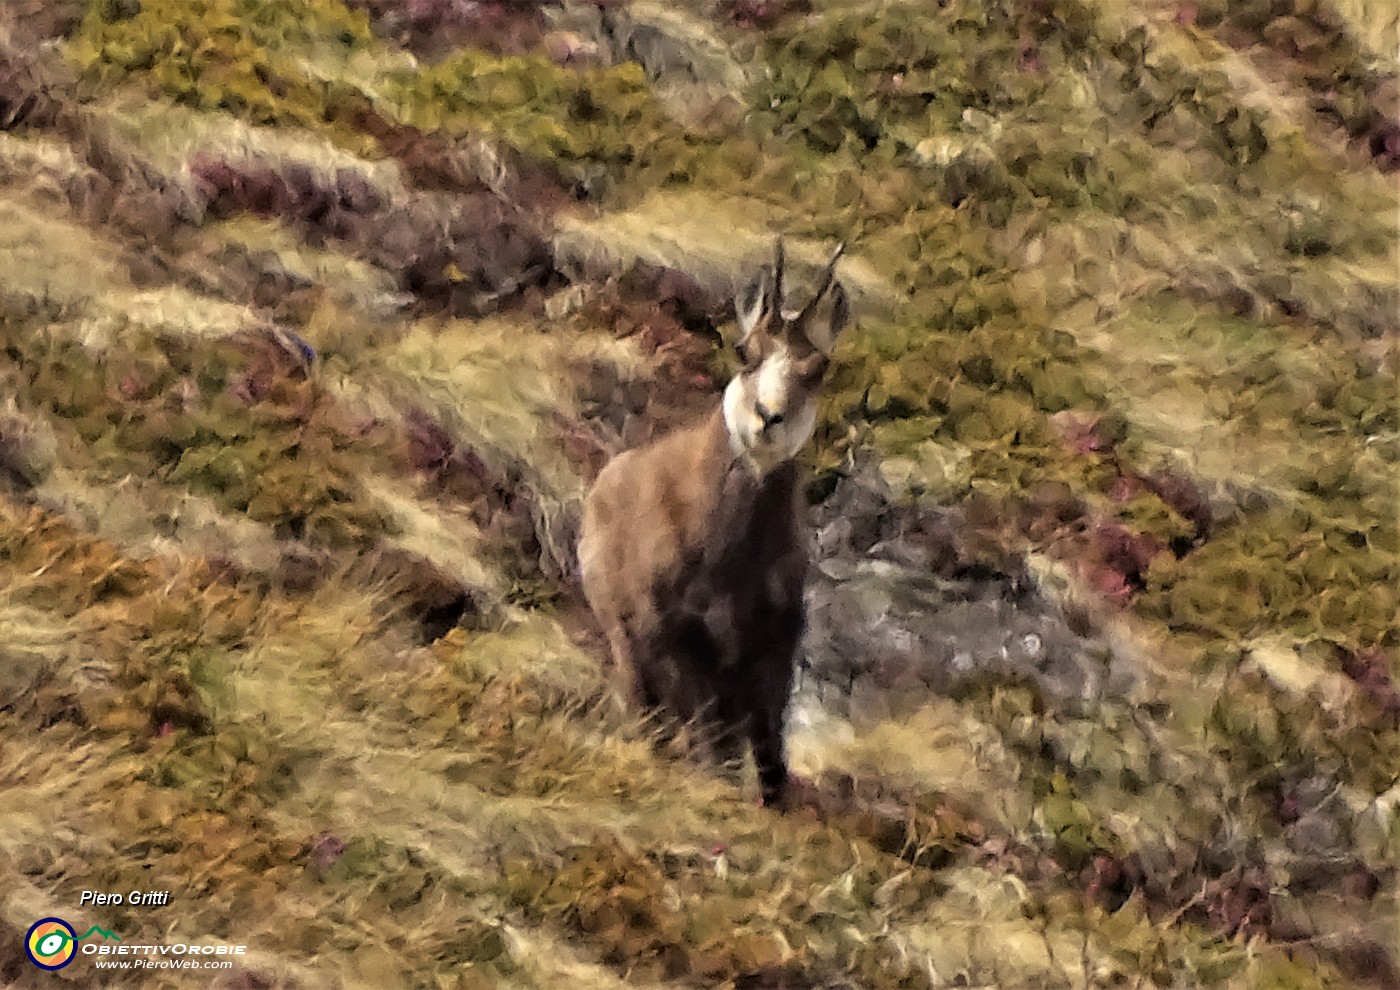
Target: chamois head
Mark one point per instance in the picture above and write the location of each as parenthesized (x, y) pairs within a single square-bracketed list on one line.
[(770, 408)]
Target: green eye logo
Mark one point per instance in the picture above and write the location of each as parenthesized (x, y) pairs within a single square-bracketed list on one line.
[(51, 943)]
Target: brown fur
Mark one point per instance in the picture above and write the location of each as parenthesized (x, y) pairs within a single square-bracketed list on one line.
[(696, 568), (694, 559)]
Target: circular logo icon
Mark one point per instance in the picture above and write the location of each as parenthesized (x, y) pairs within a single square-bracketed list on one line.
[(51, 943)]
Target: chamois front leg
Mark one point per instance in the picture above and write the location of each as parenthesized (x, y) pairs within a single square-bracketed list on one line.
[(771, 687), (635, 688), (766, 736)]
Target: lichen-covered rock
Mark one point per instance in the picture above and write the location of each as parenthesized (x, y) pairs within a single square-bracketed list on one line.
[(691, 67), (460, 254), (901, 604)]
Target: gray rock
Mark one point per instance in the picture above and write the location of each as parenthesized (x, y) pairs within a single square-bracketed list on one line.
[(894, 617)]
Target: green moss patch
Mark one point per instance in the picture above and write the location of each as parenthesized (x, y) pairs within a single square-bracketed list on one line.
[(245, 56), (230, 422)]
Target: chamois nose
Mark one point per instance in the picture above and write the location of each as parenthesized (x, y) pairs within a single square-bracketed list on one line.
[(770, 419)]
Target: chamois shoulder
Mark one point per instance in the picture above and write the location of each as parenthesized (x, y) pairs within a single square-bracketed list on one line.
[(672, 466)]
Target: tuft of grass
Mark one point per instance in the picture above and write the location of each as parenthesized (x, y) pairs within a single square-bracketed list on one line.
[(230, 425), (360, 286), (173, 133)]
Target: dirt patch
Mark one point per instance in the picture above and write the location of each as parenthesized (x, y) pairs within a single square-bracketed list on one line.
[(435, 161), (674, 320), (464, 254), (433, 28), (32, 91)]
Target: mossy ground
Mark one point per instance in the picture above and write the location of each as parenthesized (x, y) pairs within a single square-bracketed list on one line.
[(309, 347)]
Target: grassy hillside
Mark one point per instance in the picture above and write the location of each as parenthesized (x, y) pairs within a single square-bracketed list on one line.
[(317, 318)]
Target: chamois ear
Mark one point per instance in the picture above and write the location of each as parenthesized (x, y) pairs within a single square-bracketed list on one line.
[(823, 319), (752, 306), (825, 323)]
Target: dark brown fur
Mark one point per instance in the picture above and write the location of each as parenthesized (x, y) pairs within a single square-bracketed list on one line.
[(696, 568), (692, 551)]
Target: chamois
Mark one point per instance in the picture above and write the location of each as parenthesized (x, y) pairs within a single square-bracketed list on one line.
[(692, 550)]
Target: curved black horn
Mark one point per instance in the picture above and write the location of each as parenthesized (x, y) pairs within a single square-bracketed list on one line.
[(779, 257), (828, 277)]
